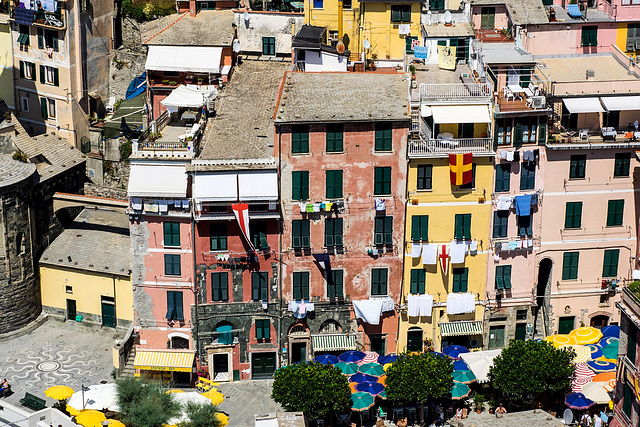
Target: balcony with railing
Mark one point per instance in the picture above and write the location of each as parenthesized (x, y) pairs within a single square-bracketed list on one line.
[(56, 20), (441, 147), (454, 91), (177, 135)]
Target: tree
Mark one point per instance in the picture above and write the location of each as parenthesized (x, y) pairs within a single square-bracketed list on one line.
[(201, 415), (313, 388), (145, 404), (418, 377), (537, 367)]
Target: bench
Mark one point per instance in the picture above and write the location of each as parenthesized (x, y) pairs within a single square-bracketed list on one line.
[(33, 402)]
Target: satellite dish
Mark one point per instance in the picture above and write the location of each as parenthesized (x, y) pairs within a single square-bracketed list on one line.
[(567, 416), (246, 15), (236, 45), (340, 47), (366, 45), (447, 17)]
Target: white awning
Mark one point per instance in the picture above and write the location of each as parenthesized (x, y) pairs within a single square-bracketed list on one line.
[(621, 103), (262, 185), (583, 105), (183, 96), (216, 187), (461, 114), (198, 59), (157, 181)]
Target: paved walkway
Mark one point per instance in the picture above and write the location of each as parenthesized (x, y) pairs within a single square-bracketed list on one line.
[(245, 399), (515, 419), (55, 353)]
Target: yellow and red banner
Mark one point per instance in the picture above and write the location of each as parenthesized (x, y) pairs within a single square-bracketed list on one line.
[(461, 168)]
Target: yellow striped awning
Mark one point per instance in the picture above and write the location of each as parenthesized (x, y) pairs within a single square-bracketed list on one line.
[(463, 327), (167, 360), (333, 342)]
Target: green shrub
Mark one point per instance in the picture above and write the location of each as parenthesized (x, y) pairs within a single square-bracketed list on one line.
[(125, 150), (634, 287)]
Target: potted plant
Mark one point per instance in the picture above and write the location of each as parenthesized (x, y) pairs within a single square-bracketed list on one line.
[(412, 70), (478, 402), (493, 404)]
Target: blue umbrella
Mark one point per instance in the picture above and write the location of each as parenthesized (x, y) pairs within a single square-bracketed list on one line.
[(607, 340), (459, 365), (578, 401), (326, 359), (595, 349), (437, 354), (454, 351), (370, 387), (351, 356), (383, 360), (360, 378), (601, 366), (611, 331)]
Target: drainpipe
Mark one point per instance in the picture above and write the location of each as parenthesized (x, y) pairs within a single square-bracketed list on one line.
[(340, 20), (280, 251), (115, 300)]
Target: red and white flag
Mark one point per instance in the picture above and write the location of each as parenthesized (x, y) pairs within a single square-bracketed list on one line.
[(241, 211), (444, 259)]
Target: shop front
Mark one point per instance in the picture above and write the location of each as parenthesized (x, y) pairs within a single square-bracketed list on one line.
[(175, 367)]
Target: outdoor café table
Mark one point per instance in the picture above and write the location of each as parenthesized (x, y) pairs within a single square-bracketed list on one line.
[(189, 115), (609, 133), (517, 90)]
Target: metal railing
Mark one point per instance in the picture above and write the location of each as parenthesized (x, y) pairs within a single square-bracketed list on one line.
[(438, 147), (456, 90)]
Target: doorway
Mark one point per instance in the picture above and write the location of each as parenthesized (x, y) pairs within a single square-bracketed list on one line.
[(414, 339), (565, 324), (496, 337), (599, 321), (263, 365), (71, 309), (298, 352), (220, 367), (108, 312), (543, 287)]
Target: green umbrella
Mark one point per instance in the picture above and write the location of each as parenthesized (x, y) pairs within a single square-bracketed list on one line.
[(361, 401), (382, 395), (374, 369), (459, 391), (347, 368), (464, 377), (610, 351)]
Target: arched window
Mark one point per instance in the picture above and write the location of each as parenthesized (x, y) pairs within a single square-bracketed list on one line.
[(224, 334), (330, 326), (414, 339), (179, 343), (298, 329)]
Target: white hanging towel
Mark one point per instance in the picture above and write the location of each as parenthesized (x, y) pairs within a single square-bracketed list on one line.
[(509, 156), (425, 303), (429, 254), (460, 303), (413, 309), (369, 311), (473, 246), (503, 154), (416, 250), (503, 203), (458, 252)]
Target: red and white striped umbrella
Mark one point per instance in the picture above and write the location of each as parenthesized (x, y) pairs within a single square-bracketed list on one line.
[(370, 357), (583, 370), (578, 382)]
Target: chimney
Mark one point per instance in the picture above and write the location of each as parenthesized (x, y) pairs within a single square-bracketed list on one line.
[(192, 7)]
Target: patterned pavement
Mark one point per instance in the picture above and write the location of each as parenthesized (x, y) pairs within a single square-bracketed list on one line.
[(55, 353), (245, 399)]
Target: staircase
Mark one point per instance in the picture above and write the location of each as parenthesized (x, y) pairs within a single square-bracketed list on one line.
[(129, 371)]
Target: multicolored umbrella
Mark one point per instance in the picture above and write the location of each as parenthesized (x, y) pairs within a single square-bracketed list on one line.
[(370, 387), (465, 377), (583, 354), (611, 331), (459, 365), (361, 401), (454, 351), (561, 339), (601, 366), (371, 369), (610, 352), (583, 370), (369, 357), (59, 392), (90, 418), (383, 360), (360, 378), (578, 401), (351, 356), (459, 391), (586, 335), (382, 395), (595, 349), (326, 359), (578, 382), (608, 340), (347, 368)]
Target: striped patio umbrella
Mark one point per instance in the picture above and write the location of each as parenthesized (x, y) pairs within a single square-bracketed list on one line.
[(601, 366), (370, 387), (371, 369), (608, 340), (611, 331), (459, 391), (360, 378), (586, 335), (578, 382), (561, 339), (361, 401), (583, 370), (351, 356), (609, 385), (465, 377), (595, 349), (583, 353), (347, 368), (383, 360), (369, 357)]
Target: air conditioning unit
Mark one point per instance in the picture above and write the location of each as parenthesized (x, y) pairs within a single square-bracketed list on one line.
[(538, 102)]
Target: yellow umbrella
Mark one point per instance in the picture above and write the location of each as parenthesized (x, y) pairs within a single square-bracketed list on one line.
[(223, 418), (561, 339), (386, 366), (583, 353), (586, 335), (215, 396), (90, 418), (59, 392), (73, 412), (175, 390)]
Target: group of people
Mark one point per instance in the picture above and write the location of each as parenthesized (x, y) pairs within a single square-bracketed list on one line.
[(4, 387), (591, 420)]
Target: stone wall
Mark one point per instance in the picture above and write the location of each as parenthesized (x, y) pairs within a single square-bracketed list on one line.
[(127, 61), (280, 25)]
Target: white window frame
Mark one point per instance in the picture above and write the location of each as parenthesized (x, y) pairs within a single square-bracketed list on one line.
[(24, 103), (49, 75), (51, 108)]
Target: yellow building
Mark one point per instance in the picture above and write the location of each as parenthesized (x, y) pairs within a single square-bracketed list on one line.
[(628, 38), (85, 274), (388, 26), (6, 57), (439, 213)]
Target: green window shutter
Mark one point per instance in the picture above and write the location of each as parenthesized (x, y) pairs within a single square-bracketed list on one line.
[(306, 239), (54, 40), (386, 172), (396, 15), (56, 77), (328, 233), (43, 108), (570, 265), (610, 264), (171, 233), (500, 224), (21, 69), (573, 215), (406, 13), (264, 286), (506, 276), (259, 330), (524, 226), (388, 230), (577, 166), (594, 36), (420, 228), (460, 279), (622, 164), (528, 176), (384, 135), (503, 177), (338, 282), (179, 305), (337, 232), (467, 226), (425, 173), (296, 185), (542, 132), (459, 227), (300, 139), (42, 74), (417, 281), (171, 307), (334, 184), (615, 213), (382, 178), (266, 329), (525, 76), (40, 38), (334, 138), (378, 281), (518, 133), (379, 231), (499, 278), (218, 236)]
